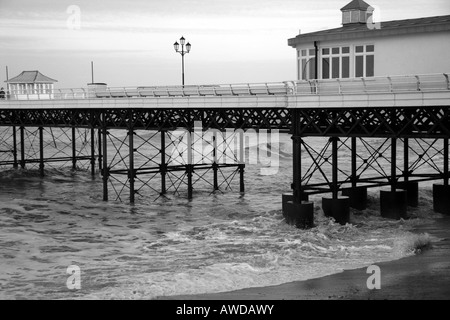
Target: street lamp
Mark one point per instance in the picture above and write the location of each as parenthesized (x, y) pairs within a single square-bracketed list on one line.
[(176, 45)]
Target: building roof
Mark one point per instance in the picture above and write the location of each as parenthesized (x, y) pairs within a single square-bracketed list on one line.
[(356, 5), (31, 77), (388, 28)]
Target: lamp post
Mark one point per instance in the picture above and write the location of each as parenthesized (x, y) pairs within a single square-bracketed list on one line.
[(182, 52)]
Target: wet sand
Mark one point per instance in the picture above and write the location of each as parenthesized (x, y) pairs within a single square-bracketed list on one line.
[(424, 276)]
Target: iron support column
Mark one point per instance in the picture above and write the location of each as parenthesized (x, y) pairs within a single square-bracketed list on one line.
[(406, 160), (100, 157), (446, 172), (105, 160), (22, 147), (163, 166), (131, 172), (189, 166), (335, 165), (92, 151), (354, 166), (41, 151), (215, 165), (393, 164), (16, 164), (74, 149), (242, 162)]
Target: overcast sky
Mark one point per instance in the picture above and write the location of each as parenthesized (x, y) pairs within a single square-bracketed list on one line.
[(131, 42)]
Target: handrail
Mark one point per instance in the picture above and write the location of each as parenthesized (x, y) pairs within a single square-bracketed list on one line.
[(372, 85)]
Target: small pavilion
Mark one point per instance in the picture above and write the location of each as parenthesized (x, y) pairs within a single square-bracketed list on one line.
[(30, 85)]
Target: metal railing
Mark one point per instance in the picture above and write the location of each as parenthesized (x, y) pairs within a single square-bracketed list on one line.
[(373, 85), (391, 84)]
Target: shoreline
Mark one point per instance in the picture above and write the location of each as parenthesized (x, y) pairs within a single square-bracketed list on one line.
[(424, 276)]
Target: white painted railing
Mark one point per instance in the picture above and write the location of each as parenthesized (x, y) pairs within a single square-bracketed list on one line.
[(393, 84)]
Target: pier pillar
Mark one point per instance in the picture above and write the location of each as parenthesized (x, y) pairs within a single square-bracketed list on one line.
[(300, 215), (297, 212), (74, 149), (100, 152), (357, 195), (393, 203), (441, 193), (441, 198), (215, 166), (22, 147), (241, 178), (336, 207), (411, 187), (92, 151), (16, 163), (105, 169), (190, 166), (131, 171), (412, 192), (163, 165), (41, 151)]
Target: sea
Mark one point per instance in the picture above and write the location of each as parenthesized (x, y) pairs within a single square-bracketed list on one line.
[(60, 240)]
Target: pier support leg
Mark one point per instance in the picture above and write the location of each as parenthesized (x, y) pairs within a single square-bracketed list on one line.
[(41, 151), (393, 203), (190, 167), (74, 149), (105, 169), (93, 152), (357, 195), (189, 172), (16, 163), (241, 178), (215, 166), (297, 212), (100, 151), (441, 193), (131, 172), (336, 207), (241, 162), (411, 187), (163, 165), (22, 147)]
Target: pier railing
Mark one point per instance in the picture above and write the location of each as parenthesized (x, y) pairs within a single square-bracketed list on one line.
[(391, 84)]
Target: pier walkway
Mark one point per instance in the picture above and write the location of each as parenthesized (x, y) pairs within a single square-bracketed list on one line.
[(408, 115)]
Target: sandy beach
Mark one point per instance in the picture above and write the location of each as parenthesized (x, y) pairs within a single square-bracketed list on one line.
[(424, 276)]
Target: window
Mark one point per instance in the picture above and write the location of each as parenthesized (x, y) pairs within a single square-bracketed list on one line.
[(307, 64), (364, 61), (335, 63)]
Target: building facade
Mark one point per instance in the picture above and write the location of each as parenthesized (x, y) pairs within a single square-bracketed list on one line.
[(30, 85), (362, 48)]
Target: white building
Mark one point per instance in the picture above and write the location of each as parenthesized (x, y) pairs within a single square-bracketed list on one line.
[(30, 85), (361, 48)]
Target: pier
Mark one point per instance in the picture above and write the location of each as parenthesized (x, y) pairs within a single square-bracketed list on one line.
[(406, 115)]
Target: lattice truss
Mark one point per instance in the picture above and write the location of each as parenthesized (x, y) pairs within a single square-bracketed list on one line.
[(6, 147), (61, 147), (373, 162), (163, 160)]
